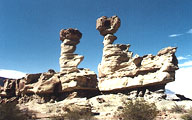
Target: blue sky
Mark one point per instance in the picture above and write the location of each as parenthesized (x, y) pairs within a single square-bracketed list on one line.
[(29, 30)]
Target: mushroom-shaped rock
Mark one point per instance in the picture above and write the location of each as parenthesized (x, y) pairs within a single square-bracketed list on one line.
[(70, 36), (108, 25)]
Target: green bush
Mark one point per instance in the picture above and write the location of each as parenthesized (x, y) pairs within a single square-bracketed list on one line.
[(187, 116), (139, 110), (9, 111), (178, 109)]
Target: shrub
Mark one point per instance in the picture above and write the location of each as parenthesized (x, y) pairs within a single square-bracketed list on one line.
[(187, 116), (139, 110), (9, 111), (75, 115), (178, 108)]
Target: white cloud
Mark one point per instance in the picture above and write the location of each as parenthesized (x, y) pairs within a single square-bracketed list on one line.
[(182, 83), (11, 74), (186, 64), (190, 31), (181, 58), (188, 55), (175, 35)]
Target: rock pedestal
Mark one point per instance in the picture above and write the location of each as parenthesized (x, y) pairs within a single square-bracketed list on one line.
[(70, 79), (118, 70), (70, 38)]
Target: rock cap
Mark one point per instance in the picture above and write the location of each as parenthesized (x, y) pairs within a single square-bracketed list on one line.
[(107, 25), (71, 34)]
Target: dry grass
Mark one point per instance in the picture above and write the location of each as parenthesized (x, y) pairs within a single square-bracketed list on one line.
[(178, 109), (75, 115), (139, 110), (187, 116)]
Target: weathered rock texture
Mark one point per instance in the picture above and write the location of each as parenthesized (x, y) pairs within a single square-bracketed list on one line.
[(70, 38), (118, 70), (122, 77), (49, 83), (108, 25), (69, 79)]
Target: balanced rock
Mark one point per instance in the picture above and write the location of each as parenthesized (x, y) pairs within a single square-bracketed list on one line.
[(70, 34), (70, 38), (119, 70), (70, 79), (108, 25)]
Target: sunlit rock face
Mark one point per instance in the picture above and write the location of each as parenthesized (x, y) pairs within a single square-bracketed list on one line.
[(52, 82), (120, 70), (69, 79), (68, 60)]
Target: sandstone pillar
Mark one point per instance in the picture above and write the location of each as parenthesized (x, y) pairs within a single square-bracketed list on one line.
[(113, 55), (68, 60), (118, 70)]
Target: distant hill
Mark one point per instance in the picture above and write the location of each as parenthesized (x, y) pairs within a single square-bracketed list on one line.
[(1, 80)]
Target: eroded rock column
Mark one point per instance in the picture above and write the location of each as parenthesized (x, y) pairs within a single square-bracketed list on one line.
[(68, 60), (118, 70), (113, 55)]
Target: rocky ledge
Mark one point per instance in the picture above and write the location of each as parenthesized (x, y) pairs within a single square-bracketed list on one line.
[(118, 70), (121, 77), (69, 79)]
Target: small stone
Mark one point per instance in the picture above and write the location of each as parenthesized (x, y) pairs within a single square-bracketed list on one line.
[(51, 101)]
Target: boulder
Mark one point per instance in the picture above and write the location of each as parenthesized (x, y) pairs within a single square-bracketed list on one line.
[(71, 34), (108, 25), (45, 85), (83, 79), (31, 78)]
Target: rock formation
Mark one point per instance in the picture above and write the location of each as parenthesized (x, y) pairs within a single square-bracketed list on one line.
[(122, 77), (69, 79), (108, 25), (118, 70), (70, 38), (8, 88)]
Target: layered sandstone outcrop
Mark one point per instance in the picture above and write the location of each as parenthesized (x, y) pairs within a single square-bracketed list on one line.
[(70, 38), (119, 70), (122, 77), (69, 79)]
